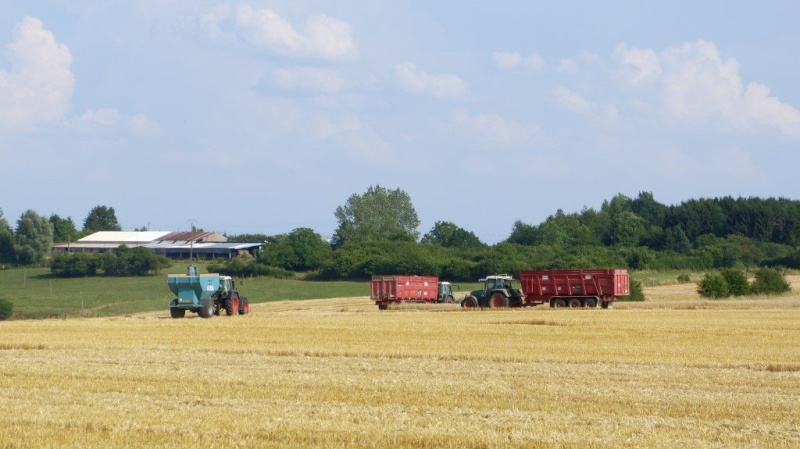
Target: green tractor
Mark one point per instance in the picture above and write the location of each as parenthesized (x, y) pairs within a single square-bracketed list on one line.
[(498, 291)]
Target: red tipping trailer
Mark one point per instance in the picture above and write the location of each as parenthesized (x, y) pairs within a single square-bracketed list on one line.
[(573, 288), (388, 289)]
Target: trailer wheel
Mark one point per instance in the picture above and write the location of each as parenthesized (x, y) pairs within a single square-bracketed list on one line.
[(206, 308), (590, 302), (175, 311), (498, 300), (574, 302), (244, 306), (383, 306), (469, 302), (232, 305), (558, 303)]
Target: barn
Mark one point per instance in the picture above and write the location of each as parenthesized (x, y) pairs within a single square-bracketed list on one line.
[(175, 245)]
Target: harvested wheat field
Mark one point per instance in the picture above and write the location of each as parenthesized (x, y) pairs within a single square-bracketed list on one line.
[(674, 371)]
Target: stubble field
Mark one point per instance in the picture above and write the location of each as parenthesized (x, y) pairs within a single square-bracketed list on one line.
[(675, 371)]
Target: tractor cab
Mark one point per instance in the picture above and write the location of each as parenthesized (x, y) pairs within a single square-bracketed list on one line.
[(226, 284), (446, 292)]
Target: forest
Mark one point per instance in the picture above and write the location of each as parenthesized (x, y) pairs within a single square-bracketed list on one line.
[(378, 234)]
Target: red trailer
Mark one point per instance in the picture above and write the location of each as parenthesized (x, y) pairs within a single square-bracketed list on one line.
[(573, 288), (396, 289)]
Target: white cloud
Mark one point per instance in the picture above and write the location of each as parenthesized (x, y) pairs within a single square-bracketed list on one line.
[(568, 66), (507, 60), (418, 82), (108, 118), (320, 36), (638, 66), (308, 78), (694, 85), (568, 99), (495, 128), (39, 86), (512, 60), (348, 130)]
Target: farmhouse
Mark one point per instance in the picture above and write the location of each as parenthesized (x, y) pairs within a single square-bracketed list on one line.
[(175, 245)]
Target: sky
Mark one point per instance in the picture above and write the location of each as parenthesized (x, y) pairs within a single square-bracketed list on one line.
[(265, 116)]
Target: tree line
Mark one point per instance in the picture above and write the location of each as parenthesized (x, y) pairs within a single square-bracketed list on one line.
[(378, 233), (30, 243)]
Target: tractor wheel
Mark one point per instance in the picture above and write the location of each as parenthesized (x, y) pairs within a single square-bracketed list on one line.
[(206, 308), (470, 302), (244, 306), (574, 302), (176, 312), (232, 305), (498, 300), (450, 299), (590, 302), (558, 303)]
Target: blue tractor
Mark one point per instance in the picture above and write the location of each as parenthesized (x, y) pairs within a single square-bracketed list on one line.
[(205, 295)]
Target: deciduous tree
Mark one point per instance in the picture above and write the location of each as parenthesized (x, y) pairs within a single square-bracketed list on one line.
[(101, 218), (378, 214), (34, 238)]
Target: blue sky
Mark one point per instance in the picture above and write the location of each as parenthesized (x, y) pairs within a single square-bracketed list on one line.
[(264, 116)]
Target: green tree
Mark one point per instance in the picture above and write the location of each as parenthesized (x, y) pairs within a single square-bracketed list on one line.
[(311, 250), (378, 214), (737, 281), (637, 292), (449, 235), (713, 286), (101, 218), (6, 240), (770, 281), (34, 237), (63, 229), (6, 308), (300, 250)]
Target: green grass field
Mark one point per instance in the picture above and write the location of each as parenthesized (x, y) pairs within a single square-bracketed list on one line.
[(36, 294)]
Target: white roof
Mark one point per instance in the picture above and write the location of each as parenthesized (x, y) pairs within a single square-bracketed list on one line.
[(124, 237)]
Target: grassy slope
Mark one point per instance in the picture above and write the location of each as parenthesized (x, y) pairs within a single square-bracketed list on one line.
[(36, 294)]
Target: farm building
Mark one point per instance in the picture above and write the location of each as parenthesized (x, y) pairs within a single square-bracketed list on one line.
[(175, 245)]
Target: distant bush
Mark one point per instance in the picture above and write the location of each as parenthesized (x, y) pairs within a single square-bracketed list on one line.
[(73, 265), (737, 282), (684, 278), (637, 292), (244, 266), (713, 286), (6, 307), (770, 281)]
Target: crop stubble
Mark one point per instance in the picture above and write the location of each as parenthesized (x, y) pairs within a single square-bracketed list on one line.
[(340, 373)]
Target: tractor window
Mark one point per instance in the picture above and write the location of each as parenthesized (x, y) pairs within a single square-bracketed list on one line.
[(490, 284)]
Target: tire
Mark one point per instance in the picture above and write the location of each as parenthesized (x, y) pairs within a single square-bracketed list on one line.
[(590, 302), (558, 303), (470, 302), (244, 306), (498, 300), (383, 306), (574, 303), (206, 309), (175, 311), (450, 300), (232, 304)]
